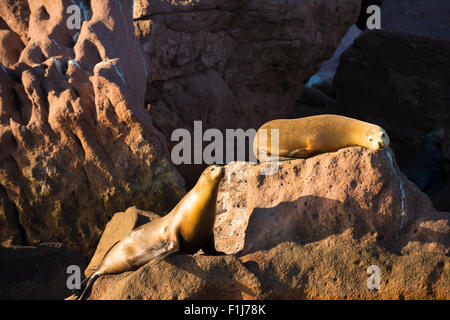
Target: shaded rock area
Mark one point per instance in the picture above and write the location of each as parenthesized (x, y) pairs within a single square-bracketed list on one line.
[(308, 231), (36, 272), (421, 18), (233, 64), (76, 144), (380, 86)]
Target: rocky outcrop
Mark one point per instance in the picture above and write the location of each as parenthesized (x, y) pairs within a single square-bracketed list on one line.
[(310, 230), (233, 64), (76, 143), (381, 86), (336, 268)]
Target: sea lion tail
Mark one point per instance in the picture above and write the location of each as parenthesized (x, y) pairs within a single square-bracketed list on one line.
[(86, 284)]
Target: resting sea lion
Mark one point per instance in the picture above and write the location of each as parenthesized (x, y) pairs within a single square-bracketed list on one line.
[(186, 229), (305, 137)]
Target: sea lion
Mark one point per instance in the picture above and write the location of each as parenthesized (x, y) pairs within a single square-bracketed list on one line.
[(186, 229), (426, 170), (305, 137)]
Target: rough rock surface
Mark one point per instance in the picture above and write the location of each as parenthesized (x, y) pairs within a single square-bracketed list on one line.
[(233, 64), (309, 200), (76, 143), (381, 86), (36, 272), (309, 231)]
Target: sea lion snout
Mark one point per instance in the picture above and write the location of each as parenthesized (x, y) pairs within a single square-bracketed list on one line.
[(379, 140), (218, 170)]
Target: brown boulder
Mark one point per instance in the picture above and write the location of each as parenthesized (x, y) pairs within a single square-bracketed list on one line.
[(10, 47), (309, 200), (336, 268), (15, 14), (181, 277), (76, 142)]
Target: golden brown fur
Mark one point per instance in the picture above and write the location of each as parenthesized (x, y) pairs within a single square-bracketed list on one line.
[(305, 137)]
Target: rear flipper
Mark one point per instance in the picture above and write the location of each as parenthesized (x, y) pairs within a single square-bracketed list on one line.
[(210, 248), (86, 286)]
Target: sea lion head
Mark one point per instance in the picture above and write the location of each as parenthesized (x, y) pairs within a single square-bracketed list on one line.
[(377, 139), (212, 175)]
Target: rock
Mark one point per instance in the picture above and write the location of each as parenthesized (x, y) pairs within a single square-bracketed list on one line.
[(76, 143), (15, 15), (309, 200), (233, 64), (36, 272), (181, 277), (308, 231), (413, 77), (336, 268), (10, 47)]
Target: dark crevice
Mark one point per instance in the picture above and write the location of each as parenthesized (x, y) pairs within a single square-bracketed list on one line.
[(20, 227), (15, 217)]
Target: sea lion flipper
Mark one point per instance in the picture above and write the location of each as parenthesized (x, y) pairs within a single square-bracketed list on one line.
[(210, 248), (302, 152), (161, 257)]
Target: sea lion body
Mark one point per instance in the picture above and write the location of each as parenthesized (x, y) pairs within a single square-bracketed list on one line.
[(305, 137), (186, 229)]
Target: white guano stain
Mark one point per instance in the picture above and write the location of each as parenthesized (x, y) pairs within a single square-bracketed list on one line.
[(402, 189), (74, 63), (116, 68)]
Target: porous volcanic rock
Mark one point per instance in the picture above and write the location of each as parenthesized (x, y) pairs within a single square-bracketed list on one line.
[(233, 64), (308, 200), (76, 143)]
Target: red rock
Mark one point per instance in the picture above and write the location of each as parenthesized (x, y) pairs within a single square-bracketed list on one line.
[(10, 47), (16, 15), (77, 143)]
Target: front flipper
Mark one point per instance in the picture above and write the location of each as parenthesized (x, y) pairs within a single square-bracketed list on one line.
[(210, 248), (159, 251)]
